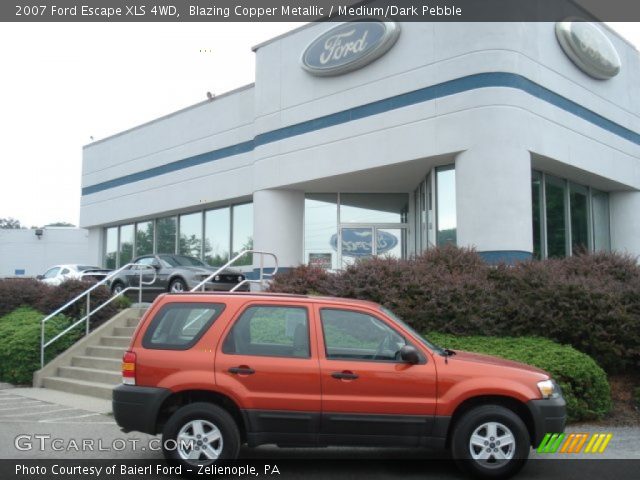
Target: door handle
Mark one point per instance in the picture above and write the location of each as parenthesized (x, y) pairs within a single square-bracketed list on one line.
[(346, 375), (242, 370)]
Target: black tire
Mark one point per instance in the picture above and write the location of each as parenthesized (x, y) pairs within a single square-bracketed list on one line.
[(178, 285), (117, 287), (206, 413), (503, 459)]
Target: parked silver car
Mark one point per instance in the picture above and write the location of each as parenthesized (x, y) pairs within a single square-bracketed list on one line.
[(59, 273), (175, 273)]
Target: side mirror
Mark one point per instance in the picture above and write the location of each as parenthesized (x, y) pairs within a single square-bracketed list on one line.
[(409, 354), (155, 264), (39, 277)]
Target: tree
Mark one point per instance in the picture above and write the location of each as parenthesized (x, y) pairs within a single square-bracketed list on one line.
[(60, 224), (10, 223)]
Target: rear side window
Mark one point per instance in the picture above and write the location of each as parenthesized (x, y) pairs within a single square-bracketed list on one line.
[(179, 326), (270, 331)]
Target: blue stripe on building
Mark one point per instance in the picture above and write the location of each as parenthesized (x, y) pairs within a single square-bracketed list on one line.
[(451, 87)]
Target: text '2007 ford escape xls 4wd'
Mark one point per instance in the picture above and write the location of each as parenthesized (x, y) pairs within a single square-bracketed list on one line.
[(213, 371)]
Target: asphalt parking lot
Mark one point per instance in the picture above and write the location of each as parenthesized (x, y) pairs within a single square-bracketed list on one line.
[(36, 429)]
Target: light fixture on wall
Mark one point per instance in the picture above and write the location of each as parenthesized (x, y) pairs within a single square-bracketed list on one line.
[(39, 233)]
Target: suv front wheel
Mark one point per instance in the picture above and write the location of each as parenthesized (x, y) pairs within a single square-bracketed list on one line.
[(490, 441), (200, 434)]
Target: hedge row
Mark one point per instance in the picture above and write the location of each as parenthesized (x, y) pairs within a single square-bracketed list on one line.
[(20, 343), (590, 301), (583, 382), (45, 298)]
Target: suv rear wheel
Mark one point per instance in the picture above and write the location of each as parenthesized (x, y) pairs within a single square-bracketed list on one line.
[(200, 434), (490, 441)]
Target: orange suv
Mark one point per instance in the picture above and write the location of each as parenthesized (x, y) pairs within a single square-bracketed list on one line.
[(213, 371)]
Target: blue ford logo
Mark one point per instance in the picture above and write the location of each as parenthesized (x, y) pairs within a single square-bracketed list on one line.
[(349, 46), (356, 242)]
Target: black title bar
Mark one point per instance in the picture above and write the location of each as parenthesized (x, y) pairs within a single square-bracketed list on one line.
[(318, 10)]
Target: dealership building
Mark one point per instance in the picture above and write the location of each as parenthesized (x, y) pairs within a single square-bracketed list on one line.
[(376, 138)]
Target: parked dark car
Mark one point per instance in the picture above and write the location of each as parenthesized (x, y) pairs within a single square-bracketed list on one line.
[(175, 273)]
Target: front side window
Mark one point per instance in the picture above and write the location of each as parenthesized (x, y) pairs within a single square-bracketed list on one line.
[(179, 326), (52, 272), (270, 331), (350, 335)]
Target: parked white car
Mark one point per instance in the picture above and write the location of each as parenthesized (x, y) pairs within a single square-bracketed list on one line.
[(59, 273)]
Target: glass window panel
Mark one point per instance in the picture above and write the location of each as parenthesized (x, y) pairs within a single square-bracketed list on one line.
[(357, 242), (111, 247), (144, 238), (320, 230), (601, 235), (270, 332), (352, 335), (217, 234), (166, 235), (390, 242), (191, 235), (446, 205), (374, 207), (556, 225), (126, 243), (536, 200), (243, 232), (579, 218)]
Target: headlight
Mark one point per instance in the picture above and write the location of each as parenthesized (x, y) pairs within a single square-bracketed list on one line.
[(548, 389), (240, 278), (217, 278)]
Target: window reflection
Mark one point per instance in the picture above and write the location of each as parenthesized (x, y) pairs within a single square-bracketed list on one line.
[(191, 235), (446, 205), (111, 247), (166, 235), (126, 244), (373, 207), (579, 218), (320, 226), (144, 238), (243, 232), (217, 224)]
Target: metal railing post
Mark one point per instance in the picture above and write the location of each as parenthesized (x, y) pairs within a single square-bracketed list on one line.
[(41, 344), (88, 312)]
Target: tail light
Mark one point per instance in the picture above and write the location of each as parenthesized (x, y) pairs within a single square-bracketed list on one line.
[(129, 368)]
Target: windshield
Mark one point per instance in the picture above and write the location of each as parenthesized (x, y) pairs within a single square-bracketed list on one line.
[(416, 335), (181, 261)]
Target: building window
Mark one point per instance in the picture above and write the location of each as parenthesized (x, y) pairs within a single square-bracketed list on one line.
[(600, 221), (191, 235), (340, 228), (446, 230), (217, 236), (567, 217), (166, 235), (555, 215), (320, 225), (186, 235), (242, 232), (111, 248), (144, 238), (126, 244)]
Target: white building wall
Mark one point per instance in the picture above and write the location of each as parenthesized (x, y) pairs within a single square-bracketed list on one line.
[(22, 250)]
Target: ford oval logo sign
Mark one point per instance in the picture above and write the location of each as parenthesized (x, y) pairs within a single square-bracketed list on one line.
[(356, 242), (589, 48), (349, 46)]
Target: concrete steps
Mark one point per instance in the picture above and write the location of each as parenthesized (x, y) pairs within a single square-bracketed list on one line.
[(92, 366)]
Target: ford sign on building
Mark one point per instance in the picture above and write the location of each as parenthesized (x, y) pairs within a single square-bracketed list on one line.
[(349, 46), (374, 138)]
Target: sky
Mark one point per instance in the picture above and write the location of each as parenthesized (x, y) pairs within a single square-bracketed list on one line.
[(63, 83)]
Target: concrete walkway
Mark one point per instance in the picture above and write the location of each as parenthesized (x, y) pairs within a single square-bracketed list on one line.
[(91, 404)]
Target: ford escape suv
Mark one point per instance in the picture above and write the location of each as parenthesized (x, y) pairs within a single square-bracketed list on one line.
[(212, 371)]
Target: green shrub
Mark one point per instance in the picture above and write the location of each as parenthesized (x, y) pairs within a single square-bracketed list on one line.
[(591, 302), (20, 343), (584, 384)]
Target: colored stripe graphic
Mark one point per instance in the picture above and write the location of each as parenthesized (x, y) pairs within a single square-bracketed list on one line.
[(574, 442)]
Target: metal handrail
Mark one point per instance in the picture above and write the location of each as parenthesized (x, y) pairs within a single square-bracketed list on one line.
[(262, 278), (87, 293)]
